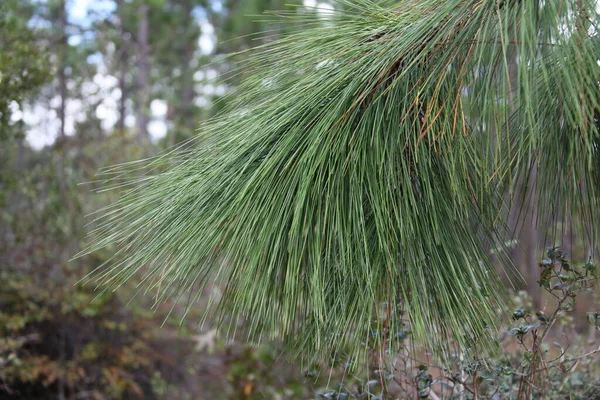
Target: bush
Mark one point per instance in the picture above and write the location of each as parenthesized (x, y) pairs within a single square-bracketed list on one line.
[(540, 356)]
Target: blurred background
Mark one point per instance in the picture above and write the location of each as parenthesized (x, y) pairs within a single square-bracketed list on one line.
[(86, 84)]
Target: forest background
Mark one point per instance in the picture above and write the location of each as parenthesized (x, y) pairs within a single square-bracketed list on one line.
[(85, 84)]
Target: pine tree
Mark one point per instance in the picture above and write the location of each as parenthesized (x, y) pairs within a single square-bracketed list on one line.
[(368, 160)]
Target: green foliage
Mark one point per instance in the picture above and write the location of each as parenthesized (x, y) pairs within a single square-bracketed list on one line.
[(366, 160), (37, 323), (343, 201), (23, 67), (542, 355), (60, 340)]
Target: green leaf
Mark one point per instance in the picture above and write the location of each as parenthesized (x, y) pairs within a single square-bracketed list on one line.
[(519, 313)]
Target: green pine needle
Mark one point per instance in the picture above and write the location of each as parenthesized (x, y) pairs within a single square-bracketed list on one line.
[(365, 162)]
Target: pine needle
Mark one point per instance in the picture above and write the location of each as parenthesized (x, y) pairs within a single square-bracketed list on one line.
[(365, 161)]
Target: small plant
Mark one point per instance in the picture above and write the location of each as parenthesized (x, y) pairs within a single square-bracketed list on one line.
[(538, 360)]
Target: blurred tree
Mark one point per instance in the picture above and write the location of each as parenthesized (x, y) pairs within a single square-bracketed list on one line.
[(66, 76), (143, 72), (23, 66), (178, 58), (243, 25)]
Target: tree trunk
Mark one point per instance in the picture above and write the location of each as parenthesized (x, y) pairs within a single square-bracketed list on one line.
[(143, 74), (530, 243), (62, 76), (184, 109), (62, 91), (123, 62), (188, 74), (523, 220), (123, 99)]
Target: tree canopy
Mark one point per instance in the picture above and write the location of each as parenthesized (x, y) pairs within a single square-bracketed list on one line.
[(22, 68)]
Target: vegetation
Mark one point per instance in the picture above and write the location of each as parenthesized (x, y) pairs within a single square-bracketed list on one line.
[(363, 185), (22, 67), (58, 339), (368, 160), (541, 356)]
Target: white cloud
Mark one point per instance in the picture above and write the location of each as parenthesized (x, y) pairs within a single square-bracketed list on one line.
[(73, 114), (217, 5), (79, 9), (16, 113), (43, 124), (208, 89), (211, 74), (202, 102), (207, 27), (220, 90), (105, 81), (130, 121), (102, 112), (107, 113)]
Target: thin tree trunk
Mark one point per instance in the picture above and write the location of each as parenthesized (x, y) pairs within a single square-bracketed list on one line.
[(124, 92), (143, 74), (123, 65), (188, 75), (530, 242), (16, 199), (184, 111), (522, 220), (122, 101), (62, 90), (62, 76)]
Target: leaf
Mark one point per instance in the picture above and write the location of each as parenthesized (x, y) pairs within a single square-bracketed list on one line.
[(561, 286), (590, 268), (546, 263), (519, 313), (520, 331)]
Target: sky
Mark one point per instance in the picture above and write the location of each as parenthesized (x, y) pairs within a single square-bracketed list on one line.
[(78, 9)]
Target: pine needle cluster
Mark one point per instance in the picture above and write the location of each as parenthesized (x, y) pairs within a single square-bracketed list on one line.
[(369, 159)]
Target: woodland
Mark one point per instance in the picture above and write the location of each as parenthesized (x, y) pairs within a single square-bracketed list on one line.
[(264, 199)]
